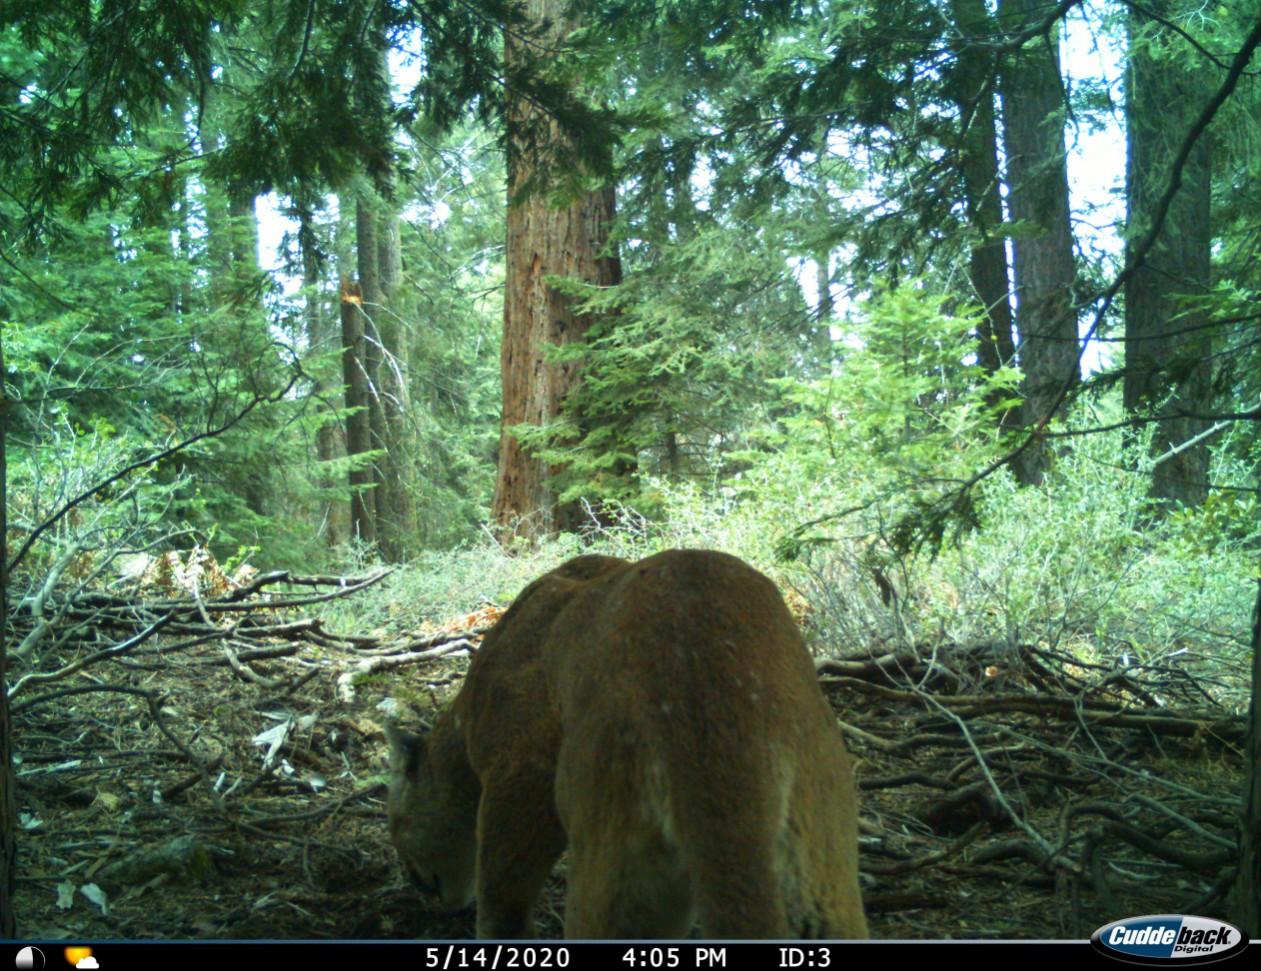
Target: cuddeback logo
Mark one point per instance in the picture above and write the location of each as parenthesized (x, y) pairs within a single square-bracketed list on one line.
[(1169, 937)]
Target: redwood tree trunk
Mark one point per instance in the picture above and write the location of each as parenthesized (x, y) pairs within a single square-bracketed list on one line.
[(543, 241), (1037, 196), (1167, 346)]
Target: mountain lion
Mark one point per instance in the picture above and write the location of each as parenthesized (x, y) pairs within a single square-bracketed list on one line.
[(662, 720)]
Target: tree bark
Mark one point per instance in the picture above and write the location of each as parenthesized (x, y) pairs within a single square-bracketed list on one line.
[(1037, 197), (368, 262), (8, 784), (358, 429), (543, 241), (1167, 345), (396, 512), (380, 271), (973, 91), (244, 229), (237, 329), (318, 335)]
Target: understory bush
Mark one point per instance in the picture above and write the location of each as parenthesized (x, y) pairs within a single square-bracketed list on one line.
[(1082, 564)]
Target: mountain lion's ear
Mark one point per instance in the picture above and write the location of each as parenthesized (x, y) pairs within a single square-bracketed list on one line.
[(407, 751)]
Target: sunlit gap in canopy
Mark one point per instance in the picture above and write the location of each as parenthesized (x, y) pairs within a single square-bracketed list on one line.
[(277, 228)]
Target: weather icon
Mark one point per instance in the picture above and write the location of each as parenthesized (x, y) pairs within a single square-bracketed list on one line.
[(30, 958), (81, 957)]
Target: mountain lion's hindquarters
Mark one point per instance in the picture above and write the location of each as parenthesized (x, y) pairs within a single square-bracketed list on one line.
[(626, 885), (824, 900), (663, 719)]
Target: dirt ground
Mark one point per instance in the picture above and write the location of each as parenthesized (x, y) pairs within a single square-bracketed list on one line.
[(173, 794)]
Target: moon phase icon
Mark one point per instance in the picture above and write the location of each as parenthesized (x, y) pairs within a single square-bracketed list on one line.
[(30, 957)]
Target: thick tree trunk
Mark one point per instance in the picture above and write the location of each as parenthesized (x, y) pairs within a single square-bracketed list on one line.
[(245, 322), (973, 91), (380, 270), (380, 273), (1037, 196), (232, 242), (358, 429), (186, 245), (1167, 346), (543, 241), (237, 330), (8, 793), (396, 524), (244, 230), (368, 258), (318, 335)]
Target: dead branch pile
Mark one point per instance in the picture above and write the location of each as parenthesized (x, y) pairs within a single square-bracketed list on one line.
[(244, 624), (201, 727), (212, 765), (1106, 786)]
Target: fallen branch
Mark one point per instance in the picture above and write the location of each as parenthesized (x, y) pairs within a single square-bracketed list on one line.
[(257, 654), (346, 681), (467, 637), (906, 666), (1095, 713), (42, 677), (246, 673), (1206, 864), (235, 601), (928, 859), (82, 690)]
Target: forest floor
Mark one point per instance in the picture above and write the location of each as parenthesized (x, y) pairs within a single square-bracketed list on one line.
[(177, 792)]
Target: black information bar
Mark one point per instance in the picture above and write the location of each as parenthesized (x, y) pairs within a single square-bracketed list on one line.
[(520, 955)]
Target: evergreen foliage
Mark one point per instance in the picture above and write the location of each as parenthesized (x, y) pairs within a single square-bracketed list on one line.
[(796, 316)]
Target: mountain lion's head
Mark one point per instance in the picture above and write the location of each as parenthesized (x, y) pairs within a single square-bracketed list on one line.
[(433, 814)]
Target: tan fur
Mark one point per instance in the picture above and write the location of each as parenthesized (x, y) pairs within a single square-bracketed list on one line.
[(662, 719)]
